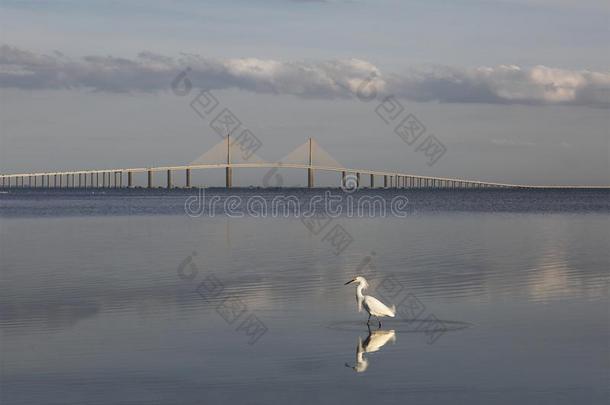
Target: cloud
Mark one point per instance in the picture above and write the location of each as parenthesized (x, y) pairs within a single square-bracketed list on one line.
[(506, 84), (150, 72)]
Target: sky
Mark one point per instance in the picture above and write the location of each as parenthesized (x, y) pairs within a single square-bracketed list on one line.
[(515, 92)]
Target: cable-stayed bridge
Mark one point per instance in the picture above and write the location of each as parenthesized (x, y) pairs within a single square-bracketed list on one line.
[(240, 154)]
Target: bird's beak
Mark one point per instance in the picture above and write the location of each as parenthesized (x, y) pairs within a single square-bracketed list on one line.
[(351, 281)]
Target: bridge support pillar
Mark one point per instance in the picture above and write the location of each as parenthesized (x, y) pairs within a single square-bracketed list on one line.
[(229, 177), (385, 181), (229, 170), (129, 179), (372, 181), (188, 178), (310, 170), (310, 180), (357, 180), (169, 179), (343, 174), (149, 178)]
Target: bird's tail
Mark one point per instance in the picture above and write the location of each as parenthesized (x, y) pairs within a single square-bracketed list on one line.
[(393, 308)]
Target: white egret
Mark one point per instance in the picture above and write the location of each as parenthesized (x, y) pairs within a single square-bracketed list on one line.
[(374, 341), (372, 305)]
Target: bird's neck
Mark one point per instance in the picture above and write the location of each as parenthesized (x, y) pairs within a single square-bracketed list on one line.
[(359, 290)]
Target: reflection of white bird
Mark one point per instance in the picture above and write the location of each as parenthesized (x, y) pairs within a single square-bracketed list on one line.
[(373, 342), (372, 305)]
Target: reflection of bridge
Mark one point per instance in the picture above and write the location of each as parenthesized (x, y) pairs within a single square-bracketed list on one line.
[(105, 178)]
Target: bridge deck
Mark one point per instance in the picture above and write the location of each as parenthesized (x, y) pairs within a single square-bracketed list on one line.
[(287, 166)]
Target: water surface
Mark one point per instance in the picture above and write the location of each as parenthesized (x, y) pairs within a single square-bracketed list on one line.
[(102, 302)]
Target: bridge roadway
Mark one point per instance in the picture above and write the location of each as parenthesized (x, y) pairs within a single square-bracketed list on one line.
[(391, 179)]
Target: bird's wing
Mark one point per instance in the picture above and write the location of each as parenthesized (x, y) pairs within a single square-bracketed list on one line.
[(377, 307)]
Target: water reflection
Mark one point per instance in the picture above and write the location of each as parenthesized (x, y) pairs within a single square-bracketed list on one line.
[(373, 342)]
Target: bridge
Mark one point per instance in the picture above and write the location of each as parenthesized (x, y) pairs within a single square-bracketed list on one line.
[(309, 157)]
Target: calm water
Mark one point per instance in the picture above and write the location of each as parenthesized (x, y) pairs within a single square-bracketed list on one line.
[(121, 298)]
